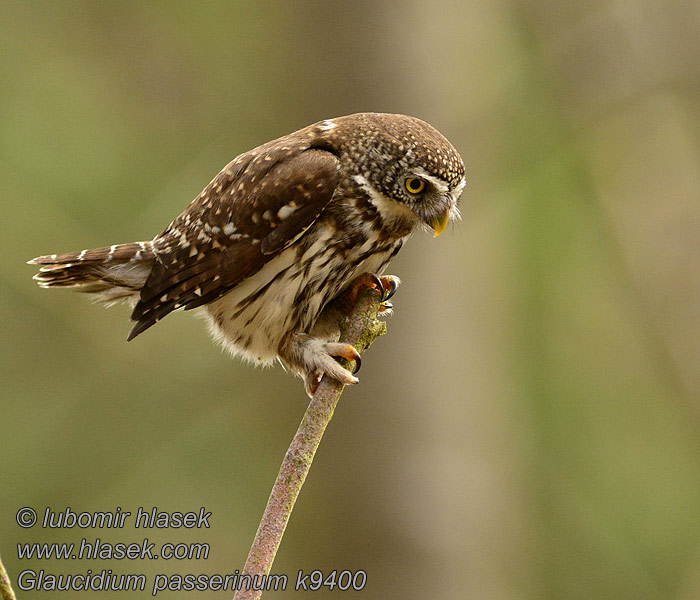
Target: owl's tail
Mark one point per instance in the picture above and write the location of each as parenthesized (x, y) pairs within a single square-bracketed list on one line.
[(111, 274)]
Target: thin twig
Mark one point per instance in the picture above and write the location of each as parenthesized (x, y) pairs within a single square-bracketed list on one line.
[(360, 329), (6, 591)]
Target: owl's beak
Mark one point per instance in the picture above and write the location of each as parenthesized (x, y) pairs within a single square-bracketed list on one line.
[(439, 223)]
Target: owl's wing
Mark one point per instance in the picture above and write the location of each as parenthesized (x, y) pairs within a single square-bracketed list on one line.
[(261, 203)]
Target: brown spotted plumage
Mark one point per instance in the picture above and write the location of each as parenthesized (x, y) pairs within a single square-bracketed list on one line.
[(279, 233)]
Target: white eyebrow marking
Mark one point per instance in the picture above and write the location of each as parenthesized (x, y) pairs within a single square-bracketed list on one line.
[(439, 184)]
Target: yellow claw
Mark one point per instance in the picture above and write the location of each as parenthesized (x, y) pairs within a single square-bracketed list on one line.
[(439, 223)]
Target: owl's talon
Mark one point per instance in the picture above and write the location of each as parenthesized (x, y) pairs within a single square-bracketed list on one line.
[(390, 282), (386, 307), (312, 381)]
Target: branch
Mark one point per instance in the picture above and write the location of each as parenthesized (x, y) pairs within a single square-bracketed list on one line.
[(6, 591), (360, 329)]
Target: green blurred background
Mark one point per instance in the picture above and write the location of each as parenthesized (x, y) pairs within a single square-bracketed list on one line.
[(530, 427)]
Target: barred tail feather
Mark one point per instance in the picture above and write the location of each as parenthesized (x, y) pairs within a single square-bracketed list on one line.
[(113, 273)]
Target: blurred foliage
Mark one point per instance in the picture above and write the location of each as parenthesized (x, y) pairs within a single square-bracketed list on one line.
[(530, 427)]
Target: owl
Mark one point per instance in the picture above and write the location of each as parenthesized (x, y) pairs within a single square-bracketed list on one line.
[(279, 234)]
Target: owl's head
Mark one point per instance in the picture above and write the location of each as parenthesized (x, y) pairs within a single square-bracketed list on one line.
[(410, 171)]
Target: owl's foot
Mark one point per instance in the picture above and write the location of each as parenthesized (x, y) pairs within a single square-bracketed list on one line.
[(317, 358), (386, 286), (311, 357)]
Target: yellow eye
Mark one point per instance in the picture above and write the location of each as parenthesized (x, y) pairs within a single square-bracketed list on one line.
[(414, 185)]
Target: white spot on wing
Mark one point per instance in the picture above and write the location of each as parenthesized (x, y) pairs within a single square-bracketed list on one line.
[(285, 211)]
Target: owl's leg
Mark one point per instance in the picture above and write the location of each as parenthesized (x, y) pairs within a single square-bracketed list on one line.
[(313, 355)]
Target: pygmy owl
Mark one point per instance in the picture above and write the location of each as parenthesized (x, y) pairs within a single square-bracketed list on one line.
[(280, 233)]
